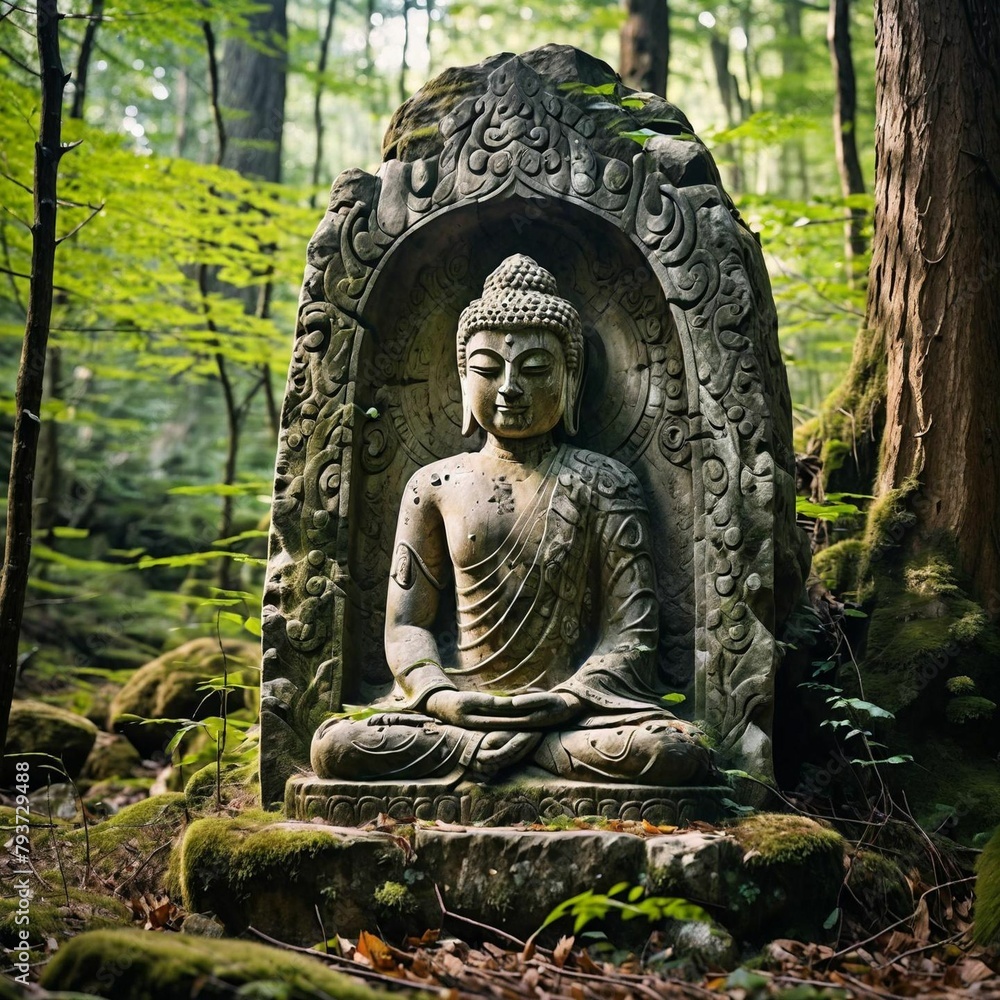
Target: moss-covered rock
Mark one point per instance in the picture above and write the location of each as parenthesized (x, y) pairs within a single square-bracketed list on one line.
[(877, 890), (794, 870), (36, 727), (839, 565), (168, 688), (143, 966), (986, 925), (112, 757), (252, 870)]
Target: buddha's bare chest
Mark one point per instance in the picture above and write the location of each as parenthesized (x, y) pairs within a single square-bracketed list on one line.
[(492, 509)]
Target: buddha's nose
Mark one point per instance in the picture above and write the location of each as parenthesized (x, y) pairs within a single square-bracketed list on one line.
[(510, 388)]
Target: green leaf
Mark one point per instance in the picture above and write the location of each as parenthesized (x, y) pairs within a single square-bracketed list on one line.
[(66, 532), (831, 920), (858, 705), (854, 613), (903, 758), (744, 979), (674, 698)]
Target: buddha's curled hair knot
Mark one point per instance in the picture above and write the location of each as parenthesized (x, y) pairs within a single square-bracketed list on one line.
[(521, 295)]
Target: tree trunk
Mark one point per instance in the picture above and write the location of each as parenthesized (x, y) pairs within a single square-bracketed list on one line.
[(934, 293), (845, 126), (794, 169), (404, 66), (318, 123), (645, 46), (48, 494), (47, 491), (252, 94), (31, 373)]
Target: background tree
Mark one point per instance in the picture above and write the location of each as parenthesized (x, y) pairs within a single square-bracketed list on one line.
[(31, 371), (645, 46)]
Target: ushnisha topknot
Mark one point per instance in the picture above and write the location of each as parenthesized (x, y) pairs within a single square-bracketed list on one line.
[(519, 295)]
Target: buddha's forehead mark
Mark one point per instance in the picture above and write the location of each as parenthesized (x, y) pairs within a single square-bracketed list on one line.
[(511, 344)]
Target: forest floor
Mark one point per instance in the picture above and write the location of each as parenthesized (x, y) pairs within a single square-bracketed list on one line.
[(928, 953)]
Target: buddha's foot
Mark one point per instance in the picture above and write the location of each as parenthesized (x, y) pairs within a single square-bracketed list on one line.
[(656, 752), (400, 746)]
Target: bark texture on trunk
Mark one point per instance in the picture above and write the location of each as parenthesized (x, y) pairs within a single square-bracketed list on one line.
[(252, 94), (645, 46), (934, 293), (31, 373)]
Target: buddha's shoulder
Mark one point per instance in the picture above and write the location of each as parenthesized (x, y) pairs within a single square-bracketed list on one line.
[(612, 482), (445, 471)]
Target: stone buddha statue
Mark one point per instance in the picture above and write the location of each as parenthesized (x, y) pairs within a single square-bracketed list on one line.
[(545, 548)]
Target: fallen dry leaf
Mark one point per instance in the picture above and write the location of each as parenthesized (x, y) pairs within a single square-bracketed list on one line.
[(562, 951)]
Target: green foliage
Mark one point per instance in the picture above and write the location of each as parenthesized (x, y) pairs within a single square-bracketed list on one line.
[(590, 905)]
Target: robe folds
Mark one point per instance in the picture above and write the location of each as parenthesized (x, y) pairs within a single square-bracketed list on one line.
[(565, 603)]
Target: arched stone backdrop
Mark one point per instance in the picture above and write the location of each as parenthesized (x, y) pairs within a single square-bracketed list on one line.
[(546, 154)]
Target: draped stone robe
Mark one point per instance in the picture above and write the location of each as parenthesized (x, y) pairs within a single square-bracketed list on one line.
[(566, 602)]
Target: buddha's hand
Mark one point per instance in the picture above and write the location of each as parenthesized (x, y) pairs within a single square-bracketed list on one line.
[(478, 710)]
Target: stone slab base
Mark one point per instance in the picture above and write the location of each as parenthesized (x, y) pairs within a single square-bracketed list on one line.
[(532, 799), (299, 882)]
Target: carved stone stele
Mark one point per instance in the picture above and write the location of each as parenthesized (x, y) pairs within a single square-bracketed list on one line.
[(547, 155)]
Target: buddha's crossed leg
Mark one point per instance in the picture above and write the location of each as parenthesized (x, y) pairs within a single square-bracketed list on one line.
[(404, 746)]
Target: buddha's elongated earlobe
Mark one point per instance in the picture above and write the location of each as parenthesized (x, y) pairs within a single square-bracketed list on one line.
[(571, 402), (468, 420)]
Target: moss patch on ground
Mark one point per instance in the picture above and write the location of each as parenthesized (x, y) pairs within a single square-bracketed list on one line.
[(143, 966), (129, 851), (51, 915)]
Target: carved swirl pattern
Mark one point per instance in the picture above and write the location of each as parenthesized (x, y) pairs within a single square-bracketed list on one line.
[(708, 401)]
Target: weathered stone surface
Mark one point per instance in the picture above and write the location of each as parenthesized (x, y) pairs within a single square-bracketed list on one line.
[(274, 876), (529, 800), (144, 966), (685, 384), (699, 866), (37, 727), (514, 879), (167, 688)]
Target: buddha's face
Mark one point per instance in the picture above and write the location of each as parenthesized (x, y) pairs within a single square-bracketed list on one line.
[(515, 381)]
